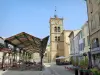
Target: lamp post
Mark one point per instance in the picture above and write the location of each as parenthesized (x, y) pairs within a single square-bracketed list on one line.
[(89, 36), (84, 54)]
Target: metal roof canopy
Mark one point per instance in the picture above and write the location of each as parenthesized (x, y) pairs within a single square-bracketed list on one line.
[(28, 42)]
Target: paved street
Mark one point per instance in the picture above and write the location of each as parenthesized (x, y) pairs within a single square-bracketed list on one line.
[(56, 70), (50, 69), (61, 70), (20, 72)]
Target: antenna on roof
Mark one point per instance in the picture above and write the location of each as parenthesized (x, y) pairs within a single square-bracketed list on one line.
[(55, 14)]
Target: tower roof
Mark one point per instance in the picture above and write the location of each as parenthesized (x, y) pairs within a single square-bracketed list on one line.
[(55, 13)]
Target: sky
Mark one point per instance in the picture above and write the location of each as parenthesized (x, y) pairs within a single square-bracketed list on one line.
[(32, 16)]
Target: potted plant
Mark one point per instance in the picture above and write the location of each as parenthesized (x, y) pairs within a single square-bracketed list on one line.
[(76, 62), (81, 66), (86, 70), (95, 71), (72, 61)]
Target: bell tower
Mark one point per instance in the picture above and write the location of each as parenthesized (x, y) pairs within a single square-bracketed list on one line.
[(56, 28)]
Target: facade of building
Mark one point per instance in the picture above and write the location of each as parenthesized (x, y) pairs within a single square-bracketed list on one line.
[(93, 7), (47, 54), (74, 41), (71, 36), (1, 53), (85, 32), (65, 45), (79, 42)]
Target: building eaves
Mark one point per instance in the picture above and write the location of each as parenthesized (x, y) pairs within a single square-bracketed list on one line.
[(68, 30), (78, 32), (70, 34), (74, 32), (86, 23)]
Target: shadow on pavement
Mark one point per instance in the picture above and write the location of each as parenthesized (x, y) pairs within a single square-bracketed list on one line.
[(23, 69)]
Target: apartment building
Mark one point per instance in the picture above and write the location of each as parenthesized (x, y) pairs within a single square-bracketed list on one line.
[(93, 7), (79, 42), (85, 32), (1, 53), (74, 47), (47, 54)]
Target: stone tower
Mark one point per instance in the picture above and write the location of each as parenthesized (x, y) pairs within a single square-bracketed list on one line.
[(56, 28)]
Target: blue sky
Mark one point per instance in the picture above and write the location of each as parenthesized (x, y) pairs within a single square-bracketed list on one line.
[(32, 16)]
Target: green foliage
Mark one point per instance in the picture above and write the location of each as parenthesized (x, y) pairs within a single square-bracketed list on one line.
[(82, 62), (2, 45), (72, 61), (95, 71), (77, 61), (86, 62)]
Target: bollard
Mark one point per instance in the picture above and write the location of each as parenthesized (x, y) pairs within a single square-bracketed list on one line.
[(87, 73), (76, 71), (81, 72)]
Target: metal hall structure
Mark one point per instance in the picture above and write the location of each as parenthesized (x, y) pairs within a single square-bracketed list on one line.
[(24, 43)]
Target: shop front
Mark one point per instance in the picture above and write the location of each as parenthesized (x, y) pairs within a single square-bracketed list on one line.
[(96, 57)]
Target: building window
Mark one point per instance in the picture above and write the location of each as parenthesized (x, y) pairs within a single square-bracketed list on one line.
[(89, 1), (59, 38), (55, 29), (55, 38), (83, 31), (58, 29), (84, 42), (92, 24), (91, 6), (88, 40), (81, 34), (45, 54), (57, 47), (99, 18), (98, 2), (95, 43), (80, 47)]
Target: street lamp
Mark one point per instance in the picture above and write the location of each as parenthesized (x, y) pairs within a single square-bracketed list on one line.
[(89, 35)]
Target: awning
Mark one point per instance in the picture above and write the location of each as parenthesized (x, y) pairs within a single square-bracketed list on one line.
[(62, 57)]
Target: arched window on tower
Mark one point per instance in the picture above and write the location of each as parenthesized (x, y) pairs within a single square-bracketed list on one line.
[(55, 38), (58, 29), (55, 29), (58, 38)]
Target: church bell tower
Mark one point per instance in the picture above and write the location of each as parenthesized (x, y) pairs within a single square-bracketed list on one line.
[(56, 28)]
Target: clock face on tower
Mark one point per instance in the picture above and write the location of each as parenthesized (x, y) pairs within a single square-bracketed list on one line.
[(56, 22), (52, 22)]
